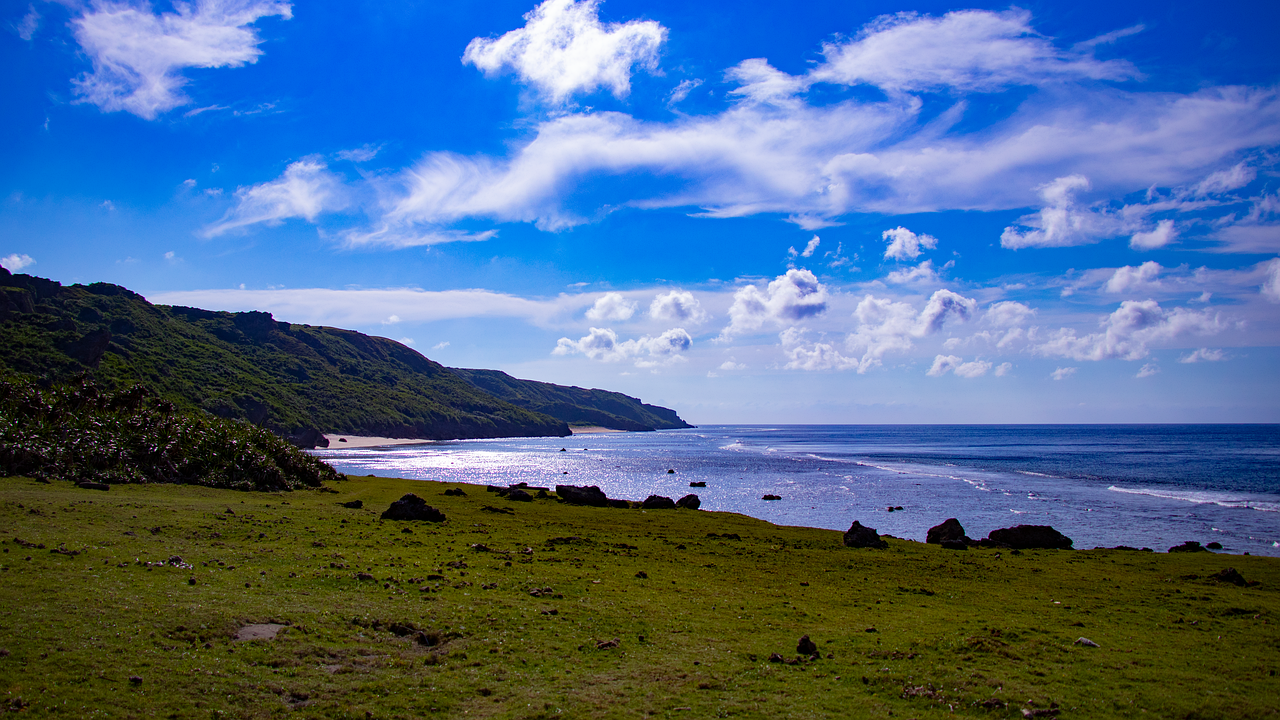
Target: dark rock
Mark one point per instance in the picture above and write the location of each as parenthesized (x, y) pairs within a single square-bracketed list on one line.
[(353, 504), (93, 486), (775, 658), (807, 646), (1029, 537), (455, 492), (954, 545), (658, 502), (620, 504), (135, 679), (412, 507), (1188, 546), (860, 536), (1229, 575), (607, 644), (519, 495), (642, 575), (90, 348), (689, 502), (1215, 545), (307, 439), (771, 497), (697, 484), (587, 495), (950, 530), (671, 472)]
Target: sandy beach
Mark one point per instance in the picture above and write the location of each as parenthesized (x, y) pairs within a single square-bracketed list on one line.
[(363, 441), (592, 430)]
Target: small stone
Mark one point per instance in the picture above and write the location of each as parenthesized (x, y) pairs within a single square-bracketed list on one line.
[(807, 646), (1086, 642), (135, 680)]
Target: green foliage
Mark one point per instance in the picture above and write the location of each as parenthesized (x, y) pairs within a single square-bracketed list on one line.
[(575, 405), (78, 432), (517, 612)]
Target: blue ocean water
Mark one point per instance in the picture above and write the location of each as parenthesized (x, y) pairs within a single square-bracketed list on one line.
[(1103, 485)]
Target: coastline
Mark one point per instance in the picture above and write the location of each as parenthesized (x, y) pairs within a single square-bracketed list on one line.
[(337, 441), (592, 430)]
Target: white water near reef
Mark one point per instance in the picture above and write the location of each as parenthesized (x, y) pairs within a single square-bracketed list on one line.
[(1143, 486)]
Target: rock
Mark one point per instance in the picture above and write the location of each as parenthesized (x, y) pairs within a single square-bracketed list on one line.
[(260, 631), (93, 486), (658, 502), (642, 575), (1229, 575), (775, 658), (807, 647), (860, 536), (671, 472), (954, 545), (697, 484), (607, 644), (1215, 545), (588, 495), (1188, 546), (519, 495), (949, 530), (412, 507), (455, 492), (308, 439), (771, 497), (689, 502), (354, 504), (1086, 642), (135, 679), (1029, 537), (620, 504)]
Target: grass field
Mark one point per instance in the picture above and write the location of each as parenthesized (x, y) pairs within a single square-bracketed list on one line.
[(126, 603)]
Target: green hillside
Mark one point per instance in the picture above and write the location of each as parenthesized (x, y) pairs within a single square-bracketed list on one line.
[(296, 380), (574, 405)]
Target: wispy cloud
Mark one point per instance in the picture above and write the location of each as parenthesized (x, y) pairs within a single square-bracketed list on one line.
[(304, 190)]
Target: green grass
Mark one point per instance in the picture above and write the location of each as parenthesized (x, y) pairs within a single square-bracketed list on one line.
[(952, 630)]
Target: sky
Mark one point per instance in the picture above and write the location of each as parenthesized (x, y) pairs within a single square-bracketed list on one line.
[(860, 212)]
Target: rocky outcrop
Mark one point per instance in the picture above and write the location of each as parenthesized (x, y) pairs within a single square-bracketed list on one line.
[(1030, 537), (658, 502), (588, 495), (1188, 546), (412, 507), (689, 502), (860, 536), (308, 439), (950, 531)]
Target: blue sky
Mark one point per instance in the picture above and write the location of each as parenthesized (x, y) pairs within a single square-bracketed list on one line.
[(749, 212)]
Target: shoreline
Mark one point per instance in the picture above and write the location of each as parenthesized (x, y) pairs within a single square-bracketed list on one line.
[(593, 430), (338, 442)]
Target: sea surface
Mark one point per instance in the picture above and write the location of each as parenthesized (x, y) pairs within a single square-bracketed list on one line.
[(1102, 485)]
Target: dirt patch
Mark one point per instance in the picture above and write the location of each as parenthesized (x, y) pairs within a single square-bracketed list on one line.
[(264, 631)]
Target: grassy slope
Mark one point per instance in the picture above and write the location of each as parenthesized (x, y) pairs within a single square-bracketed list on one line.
[(694, 636), (245, 365), (574, 405)]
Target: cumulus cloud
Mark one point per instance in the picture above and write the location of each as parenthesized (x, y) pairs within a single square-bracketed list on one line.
[(1145, 276), (922, 273), (1203, 355), (678, 305), (789, 298), (611, 307), (1271, 283), (16, 261), (905, 245), (603, 344), (811, 247), (1148, 370), (564, 49), (1163, 234), (1062, 373), (1008, 313), (944, 364), (304, 190), (1063, 221), (886, 326), (976, 368), (967, 50), (732, 364), (1128, 331), (138, 55), (1003, 369)]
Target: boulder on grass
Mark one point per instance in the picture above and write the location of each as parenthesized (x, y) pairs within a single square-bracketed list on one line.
[(588, 495), (412, 507), (658, 502), (1189, 546), (1031, 537), (689, 502), (949, 531), (860, 536)]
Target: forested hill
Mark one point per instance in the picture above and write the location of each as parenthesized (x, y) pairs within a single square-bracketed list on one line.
[(297, 380), (574, 405)]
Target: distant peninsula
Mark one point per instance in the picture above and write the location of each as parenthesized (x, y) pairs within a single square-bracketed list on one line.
[(299, 381)]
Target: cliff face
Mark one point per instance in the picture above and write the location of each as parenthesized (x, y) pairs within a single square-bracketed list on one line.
[(292, 379), (574, 405)]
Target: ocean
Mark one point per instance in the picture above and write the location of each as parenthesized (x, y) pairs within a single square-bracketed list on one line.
[(1102, 485)]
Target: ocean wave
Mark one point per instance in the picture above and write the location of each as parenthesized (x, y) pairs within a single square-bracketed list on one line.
[(1201, 497)]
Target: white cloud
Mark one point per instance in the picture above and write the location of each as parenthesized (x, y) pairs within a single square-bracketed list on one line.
[(1143, 277), (732, 364), (887, 326), (922, 273), (304, 190), (809, 248), (1271, 285), (602, 344), (944, 364), (406, 341), (1063, 221), (611, 307), (1223, 181), (682, 91), (791, 297), (564, 49), (16, 261), (364, 153), (976, 368), (26, 28), (1062, 373), (138, 56), (391, 320), (905, 245), (1163, 234), (440, 345), (1203, 355), (1003, 369), (1147, 370), (967, 50), (1128, 331), (1008, 313), (678, 305)]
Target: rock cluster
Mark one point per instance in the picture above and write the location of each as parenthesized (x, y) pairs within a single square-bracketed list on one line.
[(412, 507), (860, 536)]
